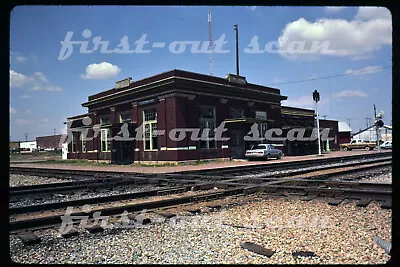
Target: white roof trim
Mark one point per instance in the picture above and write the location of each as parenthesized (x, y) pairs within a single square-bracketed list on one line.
[(344, 127)]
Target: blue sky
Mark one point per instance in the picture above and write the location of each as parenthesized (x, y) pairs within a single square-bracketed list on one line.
[(45, 89)]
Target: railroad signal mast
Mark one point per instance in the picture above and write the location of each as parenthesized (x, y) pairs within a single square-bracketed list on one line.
[(316, 99), (378, 124)]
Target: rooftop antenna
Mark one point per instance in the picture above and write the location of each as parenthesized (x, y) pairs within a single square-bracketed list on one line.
[(210, 41), (237, 49)]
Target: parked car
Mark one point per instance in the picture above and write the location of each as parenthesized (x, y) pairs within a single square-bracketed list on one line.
[(263, 151), (386, 145), (358, 144)]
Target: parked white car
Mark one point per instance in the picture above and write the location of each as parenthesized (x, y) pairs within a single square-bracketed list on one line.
[(386, 145), (266, 151)]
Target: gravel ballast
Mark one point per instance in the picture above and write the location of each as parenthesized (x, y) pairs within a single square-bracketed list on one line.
[(23, 180), (335, 234)]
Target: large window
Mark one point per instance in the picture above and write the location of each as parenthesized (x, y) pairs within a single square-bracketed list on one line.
[(207, 123), (83, 140), (150, 129), (104, 120), (105, 140), (262, 115), (236, 113), (125, 117), (73, 142)]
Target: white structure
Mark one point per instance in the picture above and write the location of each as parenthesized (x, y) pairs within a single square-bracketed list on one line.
[(28, 146), (343, 127), (64, 150), (369, 134)]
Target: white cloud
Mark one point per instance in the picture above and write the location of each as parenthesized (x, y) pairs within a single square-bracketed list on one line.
[(28, 111), (368, 13), (12, 110), (103, 70), (20, 59), (38, 87), (22, 121), (277, 80), (364, 71), (337, 37), (37, 81), (305, 101), (350, 93), (313, 76), (44, 120), (333, 9), (40, 76), (18, 79), (25, 96), (252, 8)]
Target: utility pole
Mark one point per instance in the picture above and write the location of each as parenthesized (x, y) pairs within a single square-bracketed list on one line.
[(376, 129), (316, 99), (54, 131), (237, 49), (26, 136)]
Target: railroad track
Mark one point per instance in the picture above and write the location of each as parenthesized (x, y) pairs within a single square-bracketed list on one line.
[(317, 185), (279, 166), (91, 185)]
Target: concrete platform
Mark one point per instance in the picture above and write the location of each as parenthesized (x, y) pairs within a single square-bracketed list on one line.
[(210, 165)]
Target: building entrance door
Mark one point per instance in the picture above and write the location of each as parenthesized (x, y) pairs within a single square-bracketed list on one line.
[(123, 153), (236, 143)]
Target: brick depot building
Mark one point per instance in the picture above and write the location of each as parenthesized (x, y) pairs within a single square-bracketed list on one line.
[(182, 99)]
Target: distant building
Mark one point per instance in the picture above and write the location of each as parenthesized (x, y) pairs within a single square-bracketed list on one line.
[(344, 135), (369, 134), (28, 146), (14, 146), (51, 142)]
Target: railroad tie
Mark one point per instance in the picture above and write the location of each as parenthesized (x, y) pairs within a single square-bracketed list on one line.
[(29, 238), (335, 201), (193, 210), (214, 207), (165, 214), (257, 249), (364, 202), (387, 204), (95, 228), (70, 233), (142, 220)]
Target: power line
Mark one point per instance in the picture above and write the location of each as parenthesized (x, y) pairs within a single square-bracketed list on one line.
[(332, 76)]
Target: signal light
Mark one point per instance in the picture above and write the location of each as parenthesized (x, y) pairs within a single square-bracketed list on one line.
[(379, 123)]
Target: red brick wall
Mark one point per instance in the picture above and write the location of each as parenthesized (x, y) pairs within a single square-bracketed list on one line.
[(52, 141)]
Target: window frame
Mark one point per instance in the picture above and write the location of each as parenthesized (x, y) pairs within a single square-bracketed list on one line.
[(261, 111), (126, 113), (211, 134), (232, 110), (104, 138), (73, 143), (151, 123), (83, 143)]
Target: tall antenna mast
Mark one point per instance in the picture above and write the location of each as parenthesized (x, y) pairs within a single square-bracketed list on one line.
[(210, 41)]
